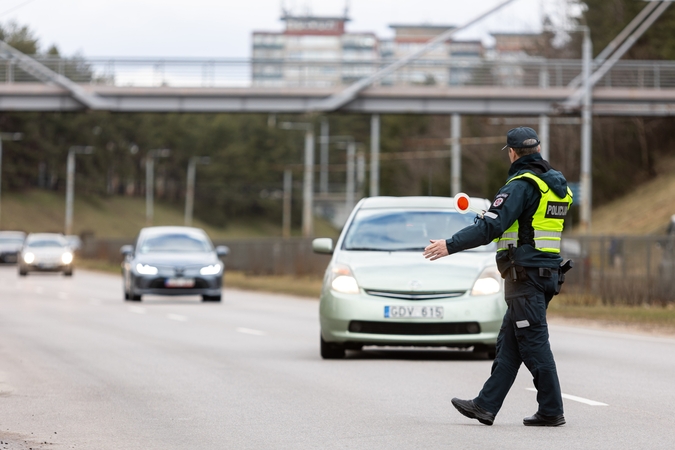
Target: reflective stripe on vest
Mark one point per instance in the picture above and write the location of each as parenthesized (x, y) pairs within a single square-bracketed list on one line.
[(548, 219)]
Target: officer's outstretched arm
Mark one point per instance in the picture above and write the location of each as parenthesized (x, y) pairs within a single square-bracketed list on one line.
[(505, 209)]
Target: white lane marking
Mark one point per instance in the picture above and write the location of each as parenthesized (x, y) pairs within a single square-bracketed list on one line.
[(63, 295), (251, 331), (39, 290), (177, 317), (95, 301), (137, 309), (577, 399)]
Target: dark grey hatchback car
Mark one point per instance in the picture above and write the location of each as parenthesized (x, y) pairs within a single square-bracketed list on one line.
[(173, 261)]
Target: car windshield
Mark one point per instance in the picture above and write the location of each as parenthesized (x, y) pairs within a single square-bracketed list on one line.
[(11, 240), (175, 243), (403, 230), (45, 243)]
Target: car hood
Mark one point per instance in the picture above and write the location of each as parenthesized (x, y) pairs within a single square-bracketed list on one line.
[(177, 259), (410, 271), (46, 252), (10, 247)]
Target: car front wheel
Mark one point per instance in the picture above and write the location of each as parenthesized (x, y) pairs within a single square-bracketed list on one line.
[(331, 351)]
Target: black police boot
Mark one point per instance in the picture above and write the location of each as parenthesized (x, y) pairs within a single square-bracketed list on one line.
[(473, 411), (540, 420)]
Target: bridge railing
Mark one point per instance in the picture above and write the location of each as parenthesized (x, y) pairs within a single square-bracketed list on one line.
[(232, 72)]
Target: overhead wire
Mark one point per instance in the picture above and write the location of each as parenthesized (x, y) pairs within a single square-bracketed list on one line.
[(14, 8)]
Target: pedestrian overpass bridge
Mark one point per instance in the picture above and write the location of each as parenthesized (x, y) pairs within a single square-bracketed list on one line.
[(530, 86)]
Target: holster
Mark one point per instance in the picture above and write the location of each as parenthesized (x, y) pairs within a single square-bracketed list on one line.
[(565, 267)]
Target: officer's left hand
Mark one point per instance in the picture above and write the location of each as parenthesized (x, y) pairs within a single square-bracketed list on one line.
[(436, 250)]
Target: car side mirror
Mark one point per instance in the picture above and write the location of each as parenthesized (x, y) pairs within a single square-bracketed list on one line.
[(127, 250), (222, 251), (323, 245)]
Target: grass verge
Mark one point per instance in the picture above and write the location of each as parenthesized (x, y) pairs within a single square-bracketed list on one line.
[(588, 308)]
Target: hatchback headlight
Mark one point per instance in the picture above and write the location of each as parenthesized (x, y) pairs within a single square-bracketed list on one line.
[(213, 269), (145, 269), (67, 258), (28, 258), (343, 281), (489, 282)]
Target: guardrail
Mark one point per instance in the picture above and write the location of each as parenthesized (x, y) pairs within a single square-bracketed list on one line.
[(242, 72), (630, 270)]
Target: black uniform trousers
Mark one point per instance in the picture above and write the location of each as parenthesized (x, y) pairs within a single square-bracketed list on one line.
[(523, 338)]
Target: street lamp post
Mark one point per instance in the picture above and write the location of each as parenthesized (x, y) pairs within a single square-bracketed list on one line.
[(150, 181), (586, 179), (6, 137), (190, 191), (308, 178), (70, 182)]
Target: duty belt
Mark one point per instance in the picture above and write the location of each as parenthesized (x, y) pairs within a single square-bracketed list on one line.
[(542, 239)]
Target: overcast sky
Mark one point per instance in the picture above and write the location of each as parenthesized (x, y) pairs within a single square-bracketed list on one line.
[(222, 28)]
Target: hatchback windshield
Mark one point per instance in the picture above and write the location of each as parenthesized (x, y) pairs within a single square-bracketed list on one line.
[(11, 240), (403, 230), (45, 243), (175, 243)]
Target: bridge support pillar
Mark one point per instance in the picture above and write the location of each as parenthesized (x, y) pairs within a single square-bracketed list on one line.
[(323, 157), (456, 163), (375, 155), (544, 124), (308, 185)]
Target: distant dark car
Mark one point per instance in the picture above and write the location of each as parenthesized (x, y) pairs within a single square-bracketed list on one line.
[(46, 252), (173, 261), (10, 245)]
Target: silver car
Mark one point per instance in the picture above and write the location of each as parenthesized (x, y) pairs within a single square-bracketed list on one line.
[(379, 290), (10, 245), (173, 261), (46, 252)]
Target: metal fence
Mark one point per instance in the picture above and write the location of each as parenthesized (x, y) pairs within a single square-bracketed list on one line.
[(628, 270), (263, 256), (241, 72)]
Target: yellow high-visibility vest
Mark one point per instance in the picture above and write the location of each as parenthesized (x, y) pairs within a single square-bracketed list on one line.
[(547, 222)]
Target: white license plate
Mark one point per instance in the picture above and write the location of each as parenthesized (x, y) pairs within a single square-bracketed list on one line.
[(410, 312), (179, 282)]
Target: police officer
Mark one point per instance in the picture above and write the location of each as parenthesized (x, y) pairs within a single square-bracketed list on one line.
[(526, 219)]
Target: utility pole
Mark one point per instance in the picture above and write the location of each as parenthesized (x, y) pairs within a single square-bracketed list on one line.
[(456, 169), (323, 161), (375, 155), (150, 181), (190, 191), (351, 186), (308, 177), (585, 188), (286, 219), (70, 183), (6, 137)]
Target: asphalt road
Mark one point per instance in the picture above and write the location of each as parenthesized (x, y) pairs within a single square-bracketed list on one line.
[(80, 368)]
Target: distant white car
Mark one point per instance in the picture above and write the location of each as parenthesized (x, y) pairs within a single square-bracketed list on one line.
[(46, 252)]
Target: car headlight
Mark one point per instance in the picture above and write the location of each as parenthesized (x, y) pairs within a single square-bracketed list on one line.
[(343, 281), (67, 258), (28, 258), (489, 282), (213, 269), (145, 269)]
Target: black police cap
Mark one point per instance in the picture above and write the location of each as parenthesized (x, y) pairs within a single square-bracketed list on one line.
[(516, 137)]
